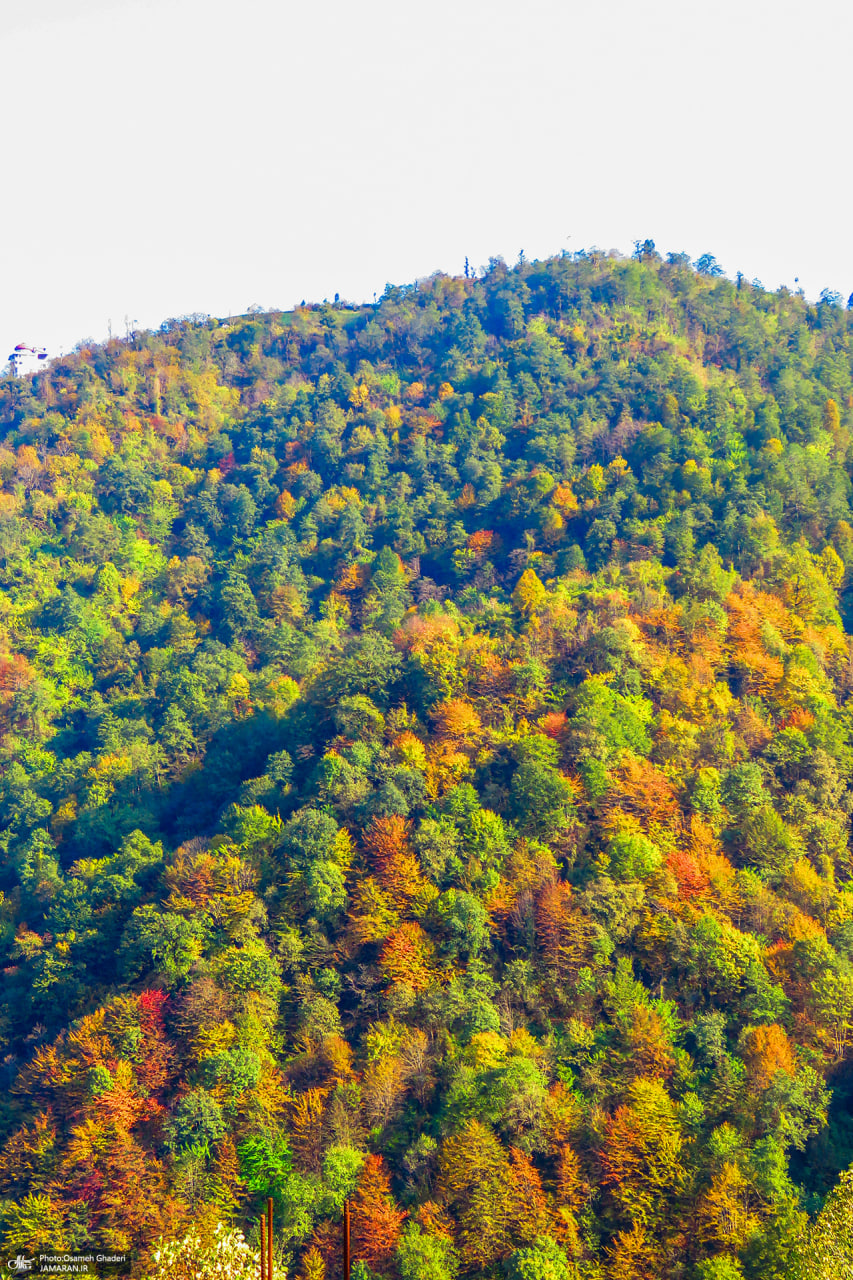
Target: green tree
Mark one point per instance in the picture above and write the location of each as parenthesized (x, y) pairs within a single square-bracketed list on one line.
[(161, 940), (425, 1257), (543, 1260)]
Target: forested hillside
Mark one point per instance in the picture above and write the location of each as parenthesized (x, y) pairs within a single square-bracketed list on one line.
[(426, 743)]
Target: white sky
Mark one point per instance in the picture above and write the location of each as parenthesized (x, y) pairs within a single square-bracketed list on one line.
[(170, 156)]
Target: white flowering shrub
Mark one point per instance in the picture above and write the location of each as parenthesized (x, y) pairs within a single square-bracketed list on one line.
[(226, 1257)]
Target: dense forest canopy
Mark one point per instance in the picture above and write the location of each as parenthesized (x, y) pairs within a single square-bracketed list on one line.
[(427, 766)]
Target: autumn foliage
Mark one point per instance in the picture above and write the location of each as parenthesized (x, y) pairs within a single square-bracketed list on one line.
[(426, 773)]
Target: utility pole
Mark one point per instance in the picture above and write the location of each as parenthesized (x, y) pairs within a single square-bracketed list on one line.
[(347, 1269), (269, 1238), (265, 1227)]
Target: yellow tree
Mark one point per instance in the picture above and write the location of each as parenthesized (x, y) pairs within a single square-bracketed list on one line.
[(529, 595), (641, 1160)]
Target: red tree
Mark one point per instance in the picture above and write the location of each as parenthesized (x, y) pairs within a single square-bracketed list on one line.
[(376, 1219)]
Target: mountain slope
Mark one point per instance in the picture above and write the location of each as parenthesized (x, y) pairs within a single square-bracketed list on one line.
[(427, 767)]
